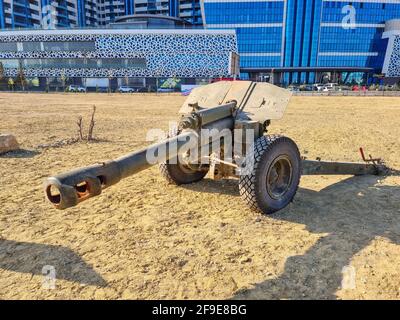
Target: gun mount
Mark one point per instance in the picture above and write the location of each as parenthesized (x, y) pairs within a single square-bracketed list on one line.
[(223, 131)]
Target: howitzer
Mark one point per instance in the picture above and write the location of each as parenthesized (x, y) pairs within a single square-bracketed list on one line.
[(222, 131)]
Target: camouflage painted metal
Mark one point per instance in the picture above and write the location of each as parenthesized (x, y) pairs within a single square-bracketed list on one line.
[(70, 188), (318, 167), (370, 165), (260, 101)]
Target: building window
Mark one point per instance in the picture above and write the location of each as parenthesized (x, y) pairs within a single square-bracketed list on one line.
[(75, 63), (69, 46), (8, 46), (10, 63), (31, 46)]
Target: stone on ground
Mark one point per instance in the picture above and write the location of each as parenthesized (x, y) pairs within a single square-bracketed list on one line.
[(8, 143)]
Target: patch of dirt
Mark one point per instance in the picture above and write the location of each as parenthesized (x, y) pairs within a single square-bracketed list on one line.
[(143, 239)]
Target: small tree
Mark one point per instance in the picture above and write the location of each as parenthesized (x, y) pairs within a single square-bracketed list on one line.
[(63, 79), (47, 85), (91, 125), (1, 72), (21, 76), (11, 84), (2, 78), (89, 136), (110, 77), (80, 128)]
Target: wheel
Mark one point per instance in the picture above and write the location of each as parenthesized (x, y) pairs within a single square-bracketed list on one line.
[(271, 177), (178, 173), (181, 174)]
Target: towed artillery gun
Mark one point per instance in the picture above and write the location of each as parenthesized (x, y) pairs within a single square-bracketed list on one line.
[(222, 131)]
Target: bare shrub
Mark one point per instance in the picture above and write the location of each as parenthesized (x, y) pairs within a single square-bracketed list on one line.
[(91, 125), (80, 128), (89, 136)]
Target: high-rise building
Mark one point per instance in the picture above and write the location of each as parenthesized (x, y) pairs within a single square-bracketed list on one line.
[(83, 13), (300, 41), (109, 10), (87, 11), (19, 14), (184, 9), (58, 14), (50, 14), (16, 14)]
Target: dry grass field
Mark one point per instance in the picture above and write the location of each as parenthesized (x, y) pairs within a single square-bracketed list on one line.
[(143, 239)]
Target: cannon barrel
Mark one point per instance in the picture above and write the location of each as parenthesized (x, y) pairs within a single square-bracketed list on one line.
[(68, 189)]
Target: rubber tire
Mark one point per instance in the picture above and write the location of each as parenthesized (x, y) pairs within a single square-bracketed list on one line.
[(175, 175), (252, 186)]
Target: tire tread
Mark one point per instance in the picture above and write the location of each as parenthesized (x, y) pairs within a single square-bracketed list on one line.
[(247, 183)]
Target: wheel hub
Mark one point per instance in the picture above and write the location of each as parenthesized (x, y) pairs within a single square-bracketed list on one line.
[(279, 177)]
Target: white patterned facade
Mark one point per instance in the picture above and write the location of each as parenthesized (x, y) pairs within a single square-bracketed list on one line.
[(391, 67), (153, 53)]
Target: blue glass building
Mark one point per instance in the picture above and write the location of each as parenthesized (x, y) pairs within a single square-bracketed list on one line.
[(185, 9), (301, 41)]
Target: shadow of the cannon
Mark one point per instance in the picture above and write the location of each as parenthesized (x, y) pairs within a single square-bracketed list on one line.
[(226, 186), (344, 212), (35, 258), (20, 153)]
